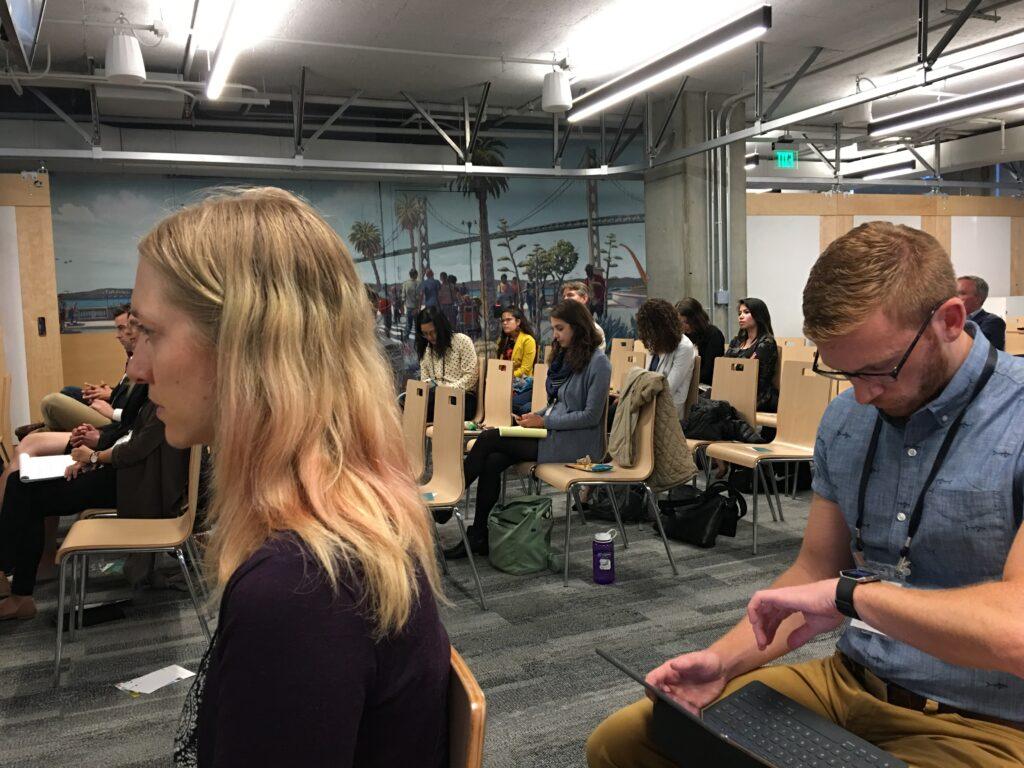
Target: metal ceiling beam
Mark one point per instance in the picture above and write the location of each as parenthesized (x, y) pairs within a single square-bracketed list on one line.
[(618, 133), (560, 150), (86, 137), (966, 13), (433, 124), (922, 31), (819, 154), (299, 110), (809, 183), (801, 71), (448, 170), (921, 160), (629, 140), (758, 80), (481, 115), (668, 116), (334, 117), (190, 44)]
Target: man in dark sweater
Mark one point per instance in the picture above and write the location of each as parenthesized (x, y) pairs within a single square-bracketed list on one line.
[(973, 291)]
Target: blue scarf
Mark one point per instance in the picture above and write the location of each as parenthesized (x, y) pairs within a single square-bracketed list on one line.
[(558, 373)]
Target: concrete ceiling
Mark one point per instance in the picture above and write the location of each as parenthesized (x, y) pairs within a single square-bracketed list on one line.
[(860, 38)]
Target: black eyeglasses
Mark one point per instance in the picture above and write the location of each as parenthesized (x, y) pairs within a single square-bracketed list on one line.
[(894, 373)]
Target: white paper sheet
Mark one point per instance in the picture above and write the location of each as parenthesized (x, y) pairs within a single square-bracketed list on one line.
[(33, 468), (154, 681)]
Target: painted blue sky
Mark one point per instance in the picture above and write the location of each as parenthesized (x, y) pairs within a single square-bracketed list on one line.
[(99, 218)]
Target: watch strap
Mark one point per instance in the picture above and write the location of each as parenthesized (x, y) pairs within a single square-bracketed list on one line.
[(844, 597)]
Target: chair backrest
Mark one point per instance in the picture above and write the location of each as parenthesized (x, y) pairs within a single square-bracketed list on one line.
[(498, 402), (804, 397), (694, 392), (793, 352), (446, 446), (626, 345), (839, 386), (644, 437), (540, 394), (639, 346), (186, 521), (789, 341), (620, 365), (545, 352), (481, 387), (735, 381), (467, 716), (414, 423), (1018, 323)]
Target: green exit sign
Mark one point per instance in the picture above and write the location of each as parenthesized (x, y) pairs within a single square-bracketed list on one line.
[(785, 158)]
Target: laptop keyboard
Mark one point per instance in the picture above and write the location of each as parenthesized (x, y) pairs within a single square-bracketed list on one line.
[(785, 733)]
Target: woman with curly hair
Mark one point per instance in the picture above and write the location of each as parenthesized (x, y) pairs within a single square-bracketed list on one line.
[(672, 353)]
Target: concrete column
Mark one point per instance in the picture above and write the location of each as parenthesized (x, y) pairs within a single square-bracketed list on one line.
[(676, 210)]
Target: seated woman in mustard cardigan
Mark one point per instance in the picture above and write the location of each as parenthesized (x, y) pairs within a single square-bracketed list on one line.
[(518, 344)]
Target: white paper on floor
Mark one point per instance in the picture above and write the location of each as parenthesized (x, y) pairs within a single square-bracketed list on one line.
[(154, 681)]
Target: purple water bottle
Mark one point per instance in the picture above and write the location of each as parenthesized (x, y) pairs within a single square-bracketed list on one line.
[(604, 557)]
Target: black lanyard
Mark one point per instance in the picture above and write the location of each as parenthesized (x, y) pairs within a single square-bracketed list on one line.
[(869, 460)]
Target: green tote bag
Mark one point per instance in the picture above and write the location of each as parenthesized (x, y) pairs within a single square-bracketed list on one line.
[(519, 535)]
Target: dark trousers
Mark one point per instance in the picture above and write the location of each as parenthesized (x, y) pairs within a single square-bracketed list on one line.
[(410, 319), (491, 455), (27, 505)]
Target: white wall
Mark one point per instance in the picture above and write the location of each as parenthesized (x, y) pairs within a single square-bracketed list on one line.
[(780, 253), (981, 246), (11, 321)]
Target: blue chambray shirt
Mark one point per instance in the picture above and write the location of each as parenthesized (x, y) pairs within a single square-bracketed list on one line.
[(968, 523)]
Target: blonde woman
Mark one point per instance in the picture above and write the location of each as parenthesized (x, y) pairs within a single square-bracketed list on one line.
[(255, 338)]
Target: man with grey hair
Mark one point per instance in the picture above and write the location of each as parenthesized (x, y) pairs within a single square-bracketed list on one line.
[(973, 291)]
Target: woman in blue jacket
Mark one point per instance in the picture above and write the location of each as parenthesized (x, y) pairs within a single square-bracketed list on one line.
[(579, 375)]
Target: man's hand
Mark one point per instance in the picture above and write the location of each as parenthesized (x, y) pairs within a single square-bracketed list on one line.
[(103, 408), (693, 679), (81, 454), (74, 470), (86, 435), (530, 420), (816, 601), (91, 392)]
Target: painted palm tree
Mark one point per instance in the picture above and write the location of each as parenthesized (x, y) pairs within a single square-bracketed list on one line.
[(365, 238), (487, 152), (409, 211)]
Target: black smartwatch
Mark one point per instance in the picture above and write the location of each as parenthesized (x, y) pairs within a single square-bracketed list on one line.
[(848, 581)]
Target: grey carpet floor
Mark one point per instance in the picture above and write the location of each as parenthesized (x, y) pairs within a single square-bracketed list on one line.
[(532, 650)]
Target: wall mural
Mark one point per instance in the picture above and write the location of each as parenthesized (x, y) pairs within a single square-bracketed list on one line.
[(534, 233)]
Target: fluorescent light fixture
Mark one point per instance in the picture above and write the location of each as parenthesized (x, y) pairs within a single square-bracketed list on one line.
[(751, 161), (965, 59), (885, 171), (721, 40), (230, 27), (989, 100)]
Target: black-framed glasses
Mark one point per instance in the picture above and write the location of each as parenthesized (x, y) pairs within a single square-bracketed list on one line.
[(869, 375)]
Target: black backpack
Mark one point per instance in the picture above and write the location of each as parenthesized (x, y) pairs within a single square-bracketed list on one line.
[(698, 517)]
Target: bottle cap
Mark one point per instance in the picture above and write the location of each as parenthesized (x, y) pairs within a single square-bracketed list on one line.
[(605, 536)]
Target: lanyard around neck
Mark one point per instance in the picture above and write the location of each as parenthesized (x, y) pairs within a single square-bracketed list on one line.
[(951, 433)]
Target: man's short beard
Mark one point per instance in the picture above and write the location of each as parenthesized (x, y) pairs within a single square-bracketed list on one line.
[(934, 378)]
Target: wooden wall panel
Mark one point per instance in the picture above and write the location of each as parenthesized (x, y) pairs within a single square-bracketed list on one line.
[(39, 299), (978, 206), (1017, 256), (939, 227), (19, 191), (833, 227), (770, 204), (887, 205), (92, 357)]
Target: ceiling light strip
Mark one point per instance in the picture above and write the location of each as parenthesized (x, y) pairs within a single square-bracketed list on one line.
[(989, 100), (717, 42)]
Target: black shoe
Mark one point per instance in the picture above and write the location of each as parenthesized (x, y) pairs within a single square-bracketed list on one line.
[(458, 552), (442, 516)]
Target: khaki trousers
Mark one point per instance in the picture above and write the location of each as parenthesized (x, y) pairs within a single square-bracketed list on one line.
[(62, 413), (827, 687)]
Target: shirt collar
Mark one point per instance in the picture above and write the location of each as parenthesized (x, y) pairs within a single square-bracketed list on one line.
[(949, 402), (974, 314)]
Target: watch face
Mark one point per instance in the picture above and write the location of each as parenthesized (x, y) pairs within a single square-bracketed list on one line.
[(858, 574)]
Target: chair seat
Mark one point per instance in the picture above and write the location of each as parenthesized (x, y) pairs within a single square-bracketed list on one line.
[(747, 455), (767, 419), (122, 533), (561, 477), (522, 469), (444, 495)]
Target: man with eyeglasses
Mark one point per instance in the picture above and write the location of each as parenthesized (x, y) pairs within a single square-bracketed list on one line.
[(913, 531)]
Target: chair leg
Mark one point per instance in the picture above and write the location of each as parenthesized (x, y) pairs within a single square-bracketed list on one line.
[(192, 593), (81, 591), (440, 550), (775, 490), (652, 502), (503, 484), (569, 494), (469, 553), (618, 517), (72, 606), (197, 568), (759, 470), (755, 476), (60, 621)]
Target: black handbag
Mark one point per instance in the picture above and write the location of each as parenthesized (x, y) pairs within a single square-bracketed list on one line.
[(698, 517)]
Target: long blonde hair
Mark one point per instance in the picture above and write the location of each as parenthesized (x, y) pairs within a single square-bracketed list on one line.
[(306, 437)]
